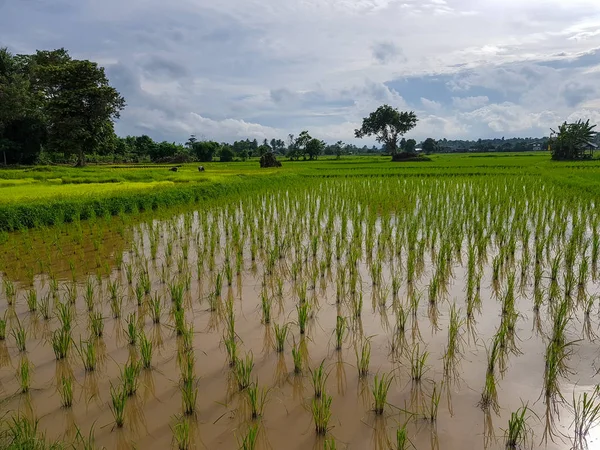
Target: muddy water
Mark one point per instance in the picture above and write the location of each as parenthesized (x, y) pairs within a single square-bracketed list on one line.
[(223, 415)]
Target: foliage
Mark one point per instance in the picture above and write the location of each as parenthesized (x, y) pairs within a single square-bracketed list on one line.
[(387, 124), (572, 140)]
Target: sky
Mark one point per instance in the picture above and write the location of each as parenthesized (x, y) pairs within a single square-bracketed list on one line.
[(235, 69)]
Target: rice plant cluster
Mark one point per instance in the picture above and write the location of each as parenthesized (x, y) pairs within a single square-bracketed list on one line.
[(342, 304)]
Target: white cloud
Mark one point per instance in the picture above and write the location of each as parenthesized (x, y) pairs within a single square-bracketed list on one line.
[(470, 102), (272, 66)]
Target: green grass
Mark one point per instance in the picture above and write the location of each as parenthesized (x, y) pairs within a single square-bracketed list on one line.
[(39, 196)]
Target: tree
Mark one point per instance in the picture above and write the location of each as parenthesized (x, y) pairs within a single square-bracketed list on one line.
[(79, 105), (277, 145), (262, 149), (190, 142), (314, 148), (205, 150), (387, 124), (572, 140), (410, 146), (22, 129), (429, 146), (226, 154), (297, 146)]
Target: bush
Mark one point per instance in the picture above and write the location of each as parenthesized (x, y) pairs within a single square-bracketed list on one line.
[(269, 160), (226, 154)]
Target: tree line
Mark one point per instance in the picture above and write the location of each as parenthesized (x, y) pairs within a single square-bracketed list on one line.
[(54, 108)]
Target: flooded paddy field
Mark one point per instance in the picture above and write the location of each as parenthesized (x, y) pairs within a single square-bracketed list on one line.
[(349, 313)]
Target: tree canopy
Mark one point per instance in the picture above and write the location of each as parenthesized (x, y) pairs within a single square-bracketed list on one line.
[(387, 124), (573, 140), (66, 104)]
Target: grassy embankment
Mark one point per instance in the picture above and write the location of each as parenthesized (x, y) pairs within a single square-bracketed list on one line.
[(43, 196)]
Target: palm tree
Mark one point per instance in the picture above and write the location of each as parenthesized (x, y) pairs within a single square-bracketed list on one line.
[(571, 140)]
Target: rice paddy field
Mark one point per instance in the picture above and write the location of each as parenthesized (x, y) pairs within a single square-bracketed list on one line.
[(352, 304)]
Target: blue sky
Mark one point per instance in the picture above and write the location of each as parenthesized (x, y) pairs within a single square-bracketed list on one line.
[(266, 68)]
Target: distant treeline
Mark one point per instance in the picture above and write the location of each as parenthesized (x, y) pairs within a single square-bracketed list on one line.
[(56, 109)]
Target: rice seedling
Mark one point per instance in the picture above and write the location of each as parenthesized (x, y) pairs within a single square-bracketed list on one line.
[(129, 377), (145, 350), (281, 332), (381, 386), (87, 353), (181, 433), (187, 364), (586, 415), (118, 397), (2, 329), (116, 304), (431, 408), (319, 379), (218, 284), (61, 342), (65, 390), (88, 295), (453, 347), (20, 335), (85, 443), (179, 319), (189, 396), (401, 438), (243, 371), (266, 303), (340, 331), (303, 310), (64, 314), (363, 357), (10, 292), (321, 412), (32, 300), (249, 440), (257, 398), (417, 363), (131, 331), (96, 323), (45, 307), (155, 308), (297, 357), (71, 293), (518, 432), (329, 443), (357, 305), (24, 373)]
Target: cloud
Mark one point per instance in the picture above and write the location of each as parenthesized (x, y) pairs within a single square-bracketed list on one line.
[(271, 68), (470, 102), (385, 52)]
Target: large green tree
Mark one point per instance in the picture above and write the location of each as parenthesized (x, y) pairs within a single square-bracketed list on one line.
[(388, 125), (77, 102), (22, 131), (429, 146)]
